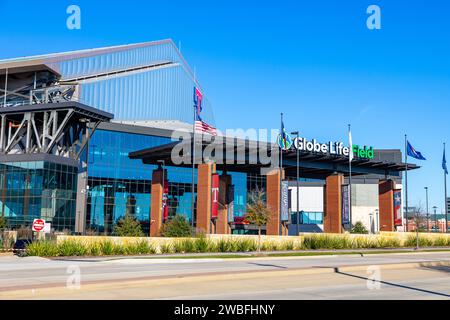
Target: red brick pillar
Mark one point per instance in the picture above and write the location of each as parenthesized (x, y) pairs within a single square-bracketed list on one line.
[(156, 217), (274, 226), (222, 226), (386, 203), (333, 204), (205, 172)]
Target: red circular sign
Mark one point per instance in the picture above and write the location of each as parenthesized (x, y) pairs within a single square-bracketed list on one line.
[(38, 225)]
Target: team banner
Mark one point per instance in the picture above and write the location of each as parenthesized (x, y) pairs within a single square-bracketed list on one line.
[(284, 201), (230, 201), (165, 201), (345, 204), (398, 221), (215, 196)]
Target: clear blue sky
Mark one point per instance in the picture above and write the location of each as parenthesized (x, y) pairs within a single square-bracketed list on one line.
[(314, 60)]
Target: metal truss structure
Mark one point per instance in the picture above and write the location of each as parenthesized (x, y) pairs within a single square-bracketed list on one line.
[(61, 129)]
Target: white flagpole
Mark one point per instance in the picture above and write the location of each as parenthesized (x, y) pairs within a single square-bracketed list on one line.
[(193, 158)]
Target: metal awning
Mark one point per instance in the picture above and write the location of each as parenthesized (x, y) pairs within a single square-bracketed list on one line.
[(312, 165)]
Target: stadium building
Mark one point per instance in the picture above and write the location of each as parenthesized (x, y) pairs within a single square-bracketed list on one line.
[(87, 137)]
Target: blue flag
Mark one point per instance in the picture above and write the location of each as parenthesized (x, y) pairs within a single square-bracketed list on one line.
[(414, 153), (444, 163)]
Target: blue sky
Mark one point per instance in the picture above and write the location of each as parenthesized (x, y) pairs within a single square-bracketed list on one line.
[(314, 60)]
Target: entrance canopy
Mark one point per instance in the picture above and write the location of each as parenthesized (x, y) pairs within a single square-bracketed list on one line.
[(240, 155)]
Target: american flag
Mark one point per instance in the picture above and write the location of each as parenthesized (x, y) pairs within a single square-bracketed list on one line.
[(200, 125)]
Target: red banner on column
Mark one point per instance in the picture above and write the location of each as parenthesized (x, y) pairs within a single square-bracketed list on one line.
[(215, 196), (397, 208), (165, 198)]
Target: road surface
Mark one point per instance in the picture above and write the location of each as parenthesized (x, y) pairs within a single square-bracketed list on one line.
[(380, 276)]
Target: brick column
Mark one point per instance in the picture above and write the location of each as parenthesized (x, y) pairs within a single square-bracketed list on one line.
[(333, 204), (386, 202), (156, 217), (222, 226), (205, 171), (274, 226)]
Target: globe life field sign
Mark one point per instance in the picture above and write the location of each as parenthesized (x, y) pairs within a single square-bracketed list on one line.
[(332, 148)]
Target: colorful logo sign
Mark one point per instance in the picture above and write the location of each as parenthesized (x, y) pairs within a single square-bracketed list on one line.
[(333, 148), (285, 143)]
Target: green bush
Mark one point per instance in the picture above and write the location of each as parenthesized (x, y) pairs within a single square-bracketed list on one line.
[(359, 228), (166, 248), (384, 242), (202, 244), (128, 227), (246, 245), (69, 248), (185, 246), (42, 249), (107, 248), (178, 227), (3, 223), (411, 241), (441, 242)]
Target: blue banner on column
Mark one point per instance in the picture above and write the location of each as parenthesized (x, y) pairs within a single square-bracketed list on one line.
[(284, 201), (345, 204)]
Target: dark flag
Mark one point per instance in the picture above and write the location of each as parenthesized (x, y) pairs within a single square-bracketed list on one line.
[(414, 153)]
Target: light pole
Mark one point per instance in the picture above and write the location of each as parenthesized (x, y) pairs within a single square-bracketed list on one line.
[(296, 133), (428, 212), (435, 217)]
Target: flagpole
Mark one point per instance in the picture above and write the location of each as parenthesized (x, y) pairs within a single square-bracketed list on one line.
[(281, 172), (445, 191), (406, 183), (350, 179), (193, 168)]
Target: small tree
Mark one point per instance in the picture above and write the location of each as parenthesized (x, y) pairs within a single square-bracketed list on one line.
[(257, 212), (128, 227), (178, 227), (3, 223), (359, 228), (418, 218)]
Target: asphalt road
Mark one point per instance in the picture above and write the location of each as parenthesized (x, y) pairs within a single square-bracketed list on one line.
[(381, 276)]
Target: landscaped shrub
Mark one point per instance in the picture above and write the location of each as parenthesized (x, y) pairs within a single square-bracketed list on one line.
[(42, 249), (385, 242), (3, 223), (137, 248), (178, 227), (411, 241), (202, 244), (185, 246), (107, 248), (246, 245), (225, 245), (359, 228), (128, 227), (69, 248), (441, 242), (166, 248)]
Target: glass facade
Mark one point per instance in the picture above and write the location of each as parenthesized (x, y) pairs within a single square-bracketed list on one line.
[(116, 186), (120, 185), (31, 190), (308, 217)]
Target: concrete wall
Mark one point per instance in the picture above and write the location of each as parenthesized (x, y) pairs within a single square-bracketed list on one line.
[(365, 204)]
